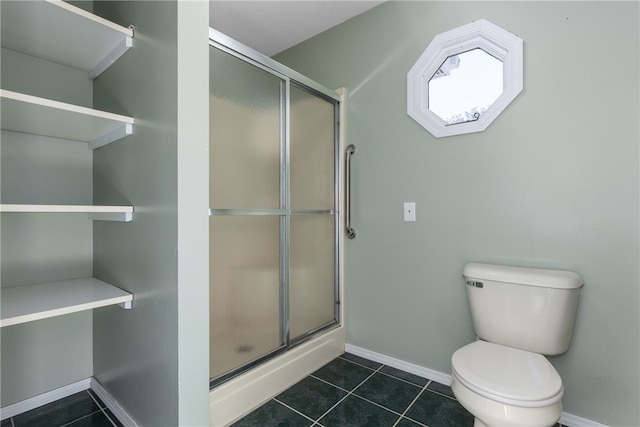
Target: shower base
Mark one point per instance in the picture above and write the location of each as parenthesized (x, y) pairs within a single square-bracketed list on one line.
[(237, 397)]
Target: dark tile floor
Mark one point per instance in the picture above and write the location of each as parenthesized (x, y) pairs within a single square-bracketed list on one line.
[(349, 391), (352, 391), (82, 409)]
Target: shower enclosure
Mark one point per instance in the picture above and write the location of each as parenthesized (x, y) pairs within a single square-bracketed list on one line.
[(274, 174)]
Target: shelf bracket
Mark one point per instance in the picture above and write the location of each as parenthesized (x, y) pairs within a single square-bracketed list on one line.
[(114, 135), (127, 305), (121, 48), (114, 216)]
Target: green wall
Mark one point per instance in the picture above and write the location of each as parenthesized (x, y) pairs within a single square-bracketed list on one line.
[(154, 358), (136, 352), (553, 183)]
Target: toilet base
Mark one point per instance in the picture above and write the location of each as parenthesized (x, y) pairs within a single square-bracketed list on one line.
[(489, 413)]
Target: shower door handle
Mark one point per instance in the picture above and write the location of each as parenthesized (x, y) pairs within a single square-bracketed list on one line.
[(351, 232)]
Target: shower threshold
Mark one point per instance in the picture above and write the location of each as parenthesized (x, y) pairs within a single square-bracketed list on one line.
[(243, 393)]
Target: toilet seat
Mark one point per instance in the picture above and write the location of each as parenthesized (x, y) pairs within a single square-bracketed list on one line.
[(507, 375)]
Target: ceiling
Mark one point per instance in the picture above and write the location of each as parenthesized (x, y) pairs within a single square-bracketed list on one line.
[(271, 26)]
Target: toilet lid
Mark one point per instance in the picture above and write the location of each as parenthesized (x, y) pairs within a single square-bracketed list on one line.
[(507, 375)]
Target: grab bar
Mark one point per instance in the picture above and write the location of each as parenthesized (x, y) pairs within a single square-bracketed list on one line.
[(351, 232)]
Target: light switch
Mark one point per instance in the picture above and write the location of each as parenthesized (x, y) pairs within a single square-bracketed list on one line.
[(409, 211)]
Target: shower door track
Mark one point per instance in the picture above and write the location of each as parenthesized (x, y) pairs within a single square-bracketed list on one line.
[(290, 78)]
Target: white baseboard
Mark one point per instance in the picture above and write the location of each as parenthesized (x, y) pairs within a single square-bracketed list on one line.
[(571, 420), (566, 419), (418, 370), (112, 404), (65, 391), (44, 398)]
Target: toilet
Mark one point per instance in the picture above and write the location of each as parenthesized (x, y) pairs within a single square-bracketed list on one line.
[(519, 315)]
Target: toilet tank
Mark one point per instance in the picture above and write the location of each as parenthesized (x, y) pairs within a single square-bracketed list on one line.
[(527, 308)]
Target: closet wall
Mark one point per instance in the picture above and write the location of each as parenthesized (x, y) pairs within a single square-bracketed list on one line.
[(162, 170)]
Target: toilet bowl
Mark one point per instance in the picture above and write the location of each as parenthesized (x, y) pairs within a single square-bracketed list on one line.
[(519, 315), (503, 386)]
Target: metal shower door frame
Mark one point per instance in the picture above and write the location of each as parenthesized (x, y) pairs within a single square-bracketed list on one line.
[(288, 78)]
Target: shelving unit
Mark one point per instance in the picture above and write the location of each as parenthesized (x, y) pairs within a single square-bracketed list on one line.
[(22, 304), (30, 114), (64, 34)]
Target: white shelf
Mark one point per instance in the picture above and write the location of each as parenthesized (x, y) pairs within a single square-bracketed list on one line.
[(103, 213), (40, 116), (23, 304), (65, 208), (59, 32)]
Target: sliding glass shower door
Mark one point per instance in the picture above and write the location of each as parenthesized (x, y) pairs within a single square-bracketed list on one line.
[(273, 220)]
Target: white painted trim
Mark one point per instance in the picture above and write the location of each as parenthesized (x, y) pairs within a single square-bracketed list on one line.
[(44, 398), (571, 420), (418, 370), (112, 404), (566, 419), (236, 398)]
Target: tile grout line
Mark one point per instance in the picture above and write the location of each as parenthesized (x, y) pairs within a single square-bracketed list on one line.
[(366, 379), (109, 418), (379, 405), (331, 408), (101, 408), (379, 369), (331, 384), (352, 392), (349, 393), (294, 410), (443, 395), (401, 415), (384, 407), (360, 364), (373, 371), (81, 418), (403, 380), (411, 404)]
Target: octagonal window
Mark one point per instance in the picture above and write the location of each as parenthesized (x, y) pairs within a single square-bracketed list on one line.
[(465, 86), (465, 78)]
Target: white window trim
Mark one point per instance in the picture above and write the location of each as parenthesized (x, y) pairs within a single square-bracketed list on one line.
[(482, 34)]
